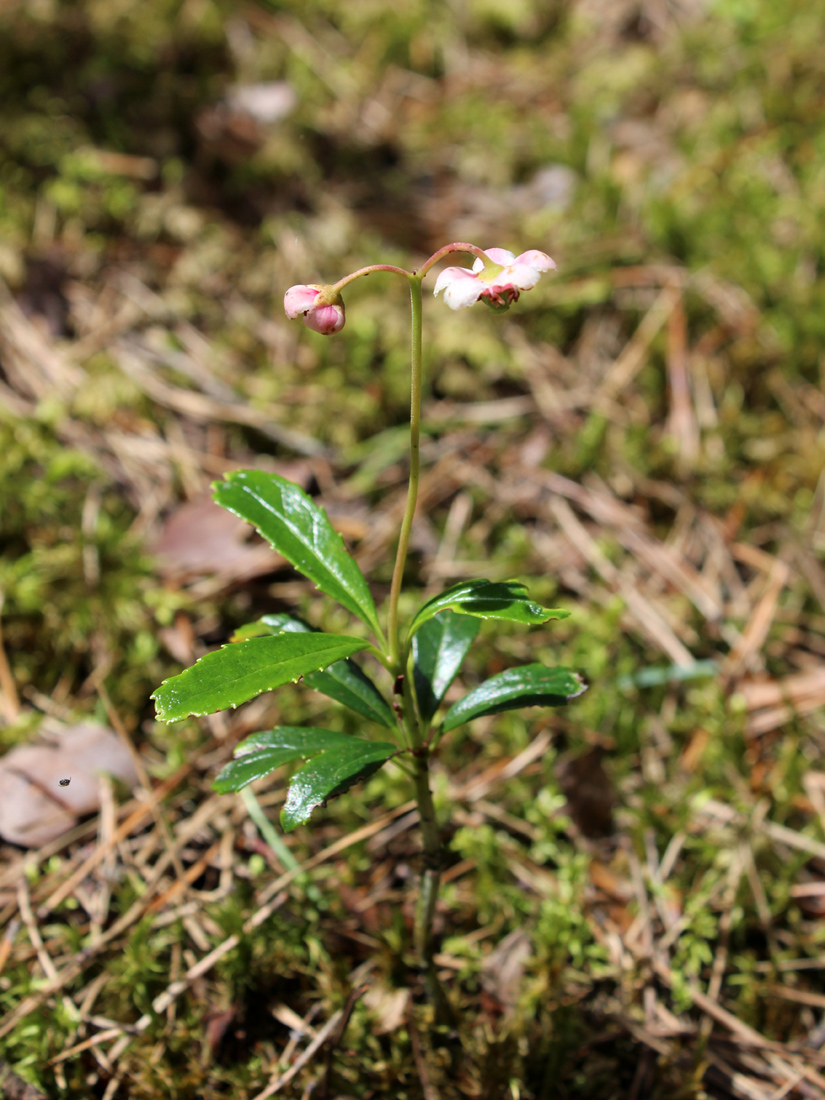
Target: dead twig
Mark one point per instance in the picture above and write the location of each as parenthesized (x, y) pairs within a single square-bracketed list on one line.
[(281, 1080)]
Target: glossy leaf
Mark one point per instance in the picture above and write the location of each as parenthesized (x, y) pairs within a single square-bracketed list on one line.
[(438, 649), (299, 529), (262, 752), (337, 762), (488, 600), (343, 681), (330, 774), (528, 686), (240, 671)]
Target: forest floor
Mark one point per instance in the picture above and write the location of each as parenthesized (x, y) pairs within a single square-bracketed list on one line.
[(634, 898)]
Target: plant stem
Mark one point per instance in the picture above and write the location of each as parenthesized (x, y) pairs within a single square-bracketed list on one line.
[(362, 271), (399, 661), (412, 493), (428, 892), (431, 873), (456, 246)]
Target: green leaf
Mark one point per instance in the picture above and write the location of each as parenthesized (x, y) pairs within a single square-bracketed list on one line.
[(330, 774), (528, 686), (300, 530), (488, 600), (240, 671), (262, 752), (343, 681), (338, 762), (258, 629), (438, 649)]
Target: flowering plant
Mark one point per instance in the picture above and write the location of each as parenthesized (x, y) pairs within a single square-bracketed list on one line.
[(422, 660)]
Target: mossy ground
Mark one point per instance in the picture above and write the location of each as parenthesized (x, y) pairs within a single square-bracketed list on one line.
[(672, 159)]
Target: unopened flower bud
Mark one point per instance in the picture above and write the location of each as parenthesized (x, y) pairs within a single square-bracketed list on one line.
[(321, 308)]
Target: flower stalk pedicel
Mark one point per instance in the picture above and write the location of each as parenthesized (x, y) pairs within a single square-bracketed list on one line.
[(422, 660)]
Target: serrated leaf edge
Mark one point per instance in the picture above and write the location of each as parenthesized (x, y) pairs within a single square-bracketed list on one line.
[(233, 706), (368, 615)]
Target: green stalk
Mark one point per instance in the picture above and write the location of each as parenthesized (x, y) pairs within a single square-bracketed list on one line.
[(415, 462), (431, 872), (284, 854), (399, 662)]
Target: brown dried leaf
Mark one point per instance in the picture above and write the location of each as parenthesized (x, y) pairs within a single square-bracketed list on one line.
[(589, 792), (503, 969), (216, 1026), (28, 816), (387, 1006), (35, 805), (200, 538)]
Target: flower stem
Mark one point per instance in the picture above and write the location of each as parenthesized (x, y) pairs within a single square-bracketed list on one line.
[(399, 660), (347, 279), (412, 493), (456, 246)]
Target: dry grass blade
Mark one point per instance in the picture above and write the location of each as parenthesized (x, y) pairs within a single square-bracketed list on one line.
[(9, 699), (681, 422), (642, 610), (35, 367), (633, 356), (751, 1038), (155, 806), (201, 408), (756, 631), (281, 1080), (773, 703)]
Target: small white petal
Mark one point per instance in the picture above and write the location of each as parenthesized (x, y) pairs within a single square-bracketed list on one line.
[(500, 256), (524, 276), (463, 292), (450, 275), (539, 260)]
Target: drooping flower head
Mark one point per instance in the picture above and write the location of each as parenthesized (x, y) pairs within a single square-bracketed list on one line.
[(321, 307), (498, 282)]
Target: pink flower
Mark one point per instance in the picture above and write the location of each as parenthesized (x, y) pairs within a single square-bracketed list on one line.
[(498, 282), (322, 310)]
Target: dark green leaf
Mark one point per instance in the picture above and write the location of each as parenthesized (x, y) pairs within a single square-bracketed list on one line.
[(338, 762), (343, 681), (260, 753), (528, 686), (488, 600), (438, 649), (300, 530), (238, 672), (346, 683), (330, 774)]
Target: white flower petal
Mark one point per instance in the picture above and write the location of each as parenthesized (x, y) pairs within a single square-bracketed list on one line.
[(521, 275), (449, 276), (499, 256), (463, 292), (539, 260)]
